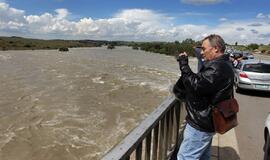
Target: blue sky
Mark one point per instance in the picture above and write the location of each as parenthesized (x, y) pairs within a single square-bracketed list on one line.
[(141, 20)]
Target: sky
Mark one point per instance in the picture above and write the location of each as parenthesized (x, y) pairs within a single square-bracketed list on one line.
[(242, 21)]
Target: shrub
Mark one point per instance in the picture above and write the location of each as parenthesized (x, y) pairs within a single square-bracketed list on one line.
[(135, 47), (4, 49), (27, 46), (253, 46), (110, 46), (63, 49)]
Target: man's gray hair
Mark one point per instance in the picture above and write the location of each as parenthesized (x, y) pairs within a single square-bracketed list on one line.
[(216, 41)]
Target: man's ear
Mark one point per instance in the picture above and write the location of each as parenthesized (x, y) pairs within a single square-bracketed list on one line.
[(216, 50)]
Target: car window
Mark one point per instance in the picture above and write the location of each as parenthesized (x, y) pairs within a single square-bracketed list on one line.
[(239, 65), (259, 67)]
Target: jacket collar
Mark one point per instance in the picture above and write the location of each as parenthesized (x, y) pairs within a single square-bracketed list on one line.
[(224, 57)]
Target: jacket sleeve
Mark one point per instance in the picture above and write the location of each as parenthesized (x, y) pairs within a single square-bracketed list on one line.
[(179, 89), (202, 83)]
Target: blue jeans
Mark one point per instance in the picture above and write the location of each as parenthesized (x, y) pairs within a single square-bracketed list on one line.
[(196, 145)]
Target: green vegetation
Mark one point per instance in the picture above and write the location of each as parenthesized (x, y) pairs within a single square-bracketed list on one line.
[(136, 47), (239, 47), (19, 43), (168, 48), (253, 47), (110, 46), (265, 49), (174, 48)]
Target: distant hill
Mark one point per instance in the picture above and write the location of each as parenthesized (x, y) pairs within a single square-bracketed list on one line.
[(19, 43)]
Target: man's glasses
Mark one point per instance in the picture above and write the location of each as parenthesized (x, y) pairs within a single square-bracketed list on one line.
[(201, 47)]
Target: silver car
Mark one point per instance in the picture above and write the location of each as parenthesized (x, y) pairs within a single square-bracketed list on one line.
[(253, 74), (247, 55)]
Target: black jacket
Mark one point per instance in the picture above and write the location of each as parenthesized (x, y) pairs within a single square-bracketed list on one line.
[(213, 84)]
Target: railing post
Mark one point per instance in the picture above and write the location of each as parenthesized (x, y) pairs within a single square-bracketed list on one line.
[(177, 119), (166, 134), (171, 129), (148, 146), (161, 140), (139, 152), (155, 142), (128, 158)]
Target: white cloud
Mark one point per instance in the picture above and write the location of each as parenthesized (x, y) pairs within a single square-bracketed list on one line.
[(260, 15), (62, 13), (254, 31), (194, 14), (48, 23), (242, 32), (203, 2), (10, 14), (3, 6), (263, 16), (223, 19), (129, 24), (255, 24), (86, 25)]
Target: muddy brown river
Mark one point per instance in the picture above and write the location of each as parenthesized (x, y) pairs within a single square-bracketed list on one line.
[(77, 105)]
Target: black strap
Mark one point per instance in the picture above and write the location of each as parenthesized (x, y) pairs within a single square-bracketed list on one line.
[(232, 91)]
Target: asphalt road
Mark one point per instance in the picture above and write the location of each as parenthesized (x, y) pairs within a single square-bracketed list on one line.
[(254, 108)]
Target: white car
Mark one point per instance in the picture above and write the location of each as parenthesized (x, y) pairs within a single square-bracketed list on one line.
[(253, 74), (266, 147)]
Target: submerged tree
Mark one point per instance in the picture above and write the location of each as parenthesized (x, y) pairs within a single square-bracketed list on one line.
[(63, 49), (110, 46)]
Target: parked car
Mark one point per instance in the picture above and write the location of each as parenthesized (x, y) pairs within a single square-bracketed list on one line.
[(266, 147), (242, 54), (247, 55), (253, 74), (236, 54)]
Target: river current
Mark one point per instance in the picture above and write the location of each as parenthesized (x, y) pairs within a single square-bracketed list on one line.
[(77, 105)]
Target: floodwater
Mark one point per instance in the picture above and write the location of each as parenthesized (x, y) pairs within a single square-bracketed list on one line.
[(79, 104)]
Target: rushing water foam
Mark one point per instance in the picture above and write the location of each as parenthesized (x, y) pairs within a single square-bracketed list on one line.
[(77, 105)]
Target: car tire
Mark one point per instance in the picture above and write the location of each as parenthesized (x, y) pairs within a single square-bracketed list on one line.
[(237, 89), (267, 149)]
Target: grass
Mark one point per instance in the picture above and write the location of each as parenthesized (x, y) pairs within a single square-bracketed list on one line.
[(19, 43)]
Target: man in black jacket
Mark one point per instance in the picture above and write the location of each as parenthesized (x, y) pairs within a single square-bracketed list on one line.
[(212, 84)]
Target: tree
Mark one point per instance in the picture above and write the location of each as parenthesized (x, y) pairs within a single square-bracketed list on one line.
[(176, 42), (236, 43), (253, 46), (188, 41)]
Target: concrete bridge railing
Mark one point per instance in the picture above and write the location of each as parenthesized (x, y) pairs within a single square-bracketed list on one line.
[(157, 137)]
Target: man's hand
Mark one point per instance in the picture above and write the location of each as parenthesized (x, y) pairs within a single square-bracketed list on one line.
[(183, 60)]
